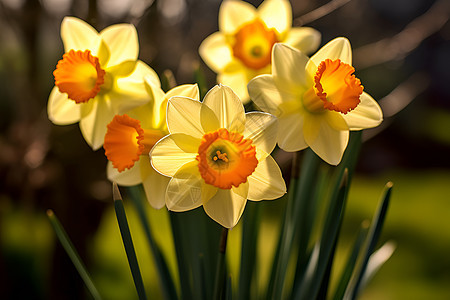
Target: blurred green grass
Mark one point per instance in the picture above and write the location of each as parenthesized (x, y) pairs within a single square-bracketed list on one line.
[(417, 222)]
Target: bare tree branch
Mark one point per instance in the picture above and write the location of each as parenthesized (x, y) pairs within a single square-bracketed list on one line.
[(319, 12), (401, 44)]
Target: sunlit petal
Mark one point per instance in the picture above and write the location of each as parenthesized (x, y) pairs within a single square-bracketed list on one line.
[(265, 94), (155, 184), (216, 52), (325, 141), (339, 48), (227, 107), (266, 182), (367, 114), (233, 14), (128, 177), (276, 14), (185, 189), (305, 39), (238, 82), (172, 152), (122, 41), (61, 110), (262, 129), (287, 68), (183, 116), (290, 133), (93, 126), (78, 35), (227, 206)]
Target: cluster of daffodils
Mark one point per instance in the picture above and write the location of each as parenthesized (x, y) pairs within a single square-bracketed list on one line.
[(189, 153)]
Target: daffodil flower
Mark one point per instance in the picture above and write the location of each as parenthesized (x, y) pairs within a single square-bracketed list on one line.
[(99, 76), (242, 47), (131, 136), (217, 156), (317, 100)]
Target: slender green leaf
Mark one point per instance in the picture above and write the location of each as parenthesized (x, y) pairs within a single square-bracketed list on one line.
[(73, 254), (376, 260), (128, 242), (309, 289), (372, 239), (351, 262), (166, 281), (251, 223), (220, 278)]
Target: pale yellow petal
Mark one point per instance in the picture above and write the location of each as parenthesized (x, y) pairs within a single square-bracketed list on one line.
[(328, 143), (288, 65), (262, 129), (61, 110), (184, 191), (155, 184), (276, 14), (305, 39), (290, 133), (339, 48), (216, 52), (233, 14), (128, 177), (172, 152), (238, 82), (93, 126), (227, 107), (183, 116), (122, 41), (367, 114), (78, 35), (336, 120), (227, 206), (264, 93), (185, 90), (157, 106), (266, 182)]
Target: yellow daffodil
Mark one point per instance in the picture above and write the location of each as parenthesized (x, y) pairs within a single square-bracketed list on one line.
[(130, 137), (242, 47), (99, 76), (217, 156), (317, 100)]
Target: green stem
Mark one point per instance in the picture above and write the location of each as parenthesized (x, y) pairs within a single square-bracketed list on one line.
[(220, 270)]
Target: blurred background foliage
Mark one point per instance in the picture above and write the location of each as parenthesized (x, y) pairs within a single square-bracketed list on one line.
[(401, 54)]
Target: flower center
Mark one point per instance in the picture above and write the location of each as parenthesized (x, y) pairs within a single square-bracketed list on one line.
[(253, 46), (335, 85), (125, 141), (226, 159), (79, 75)]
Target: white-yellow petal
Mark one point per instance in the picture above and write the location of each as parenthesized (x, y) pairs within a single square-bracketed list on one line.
[(265, 94), (266, 182), (367, 114), (233, 14), (339, 48), (78, 35), (61, 110), (290, 133), (227, 206), (216, 52), (305, 39), (238, 82), (276, 14), (93, 126), (287, 69), (122, 41), (262, 129), (185, 90), (184, 191), (128, 177), (328, 143), (183, 116), (227, 107), (155, 184), (172, 152)]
